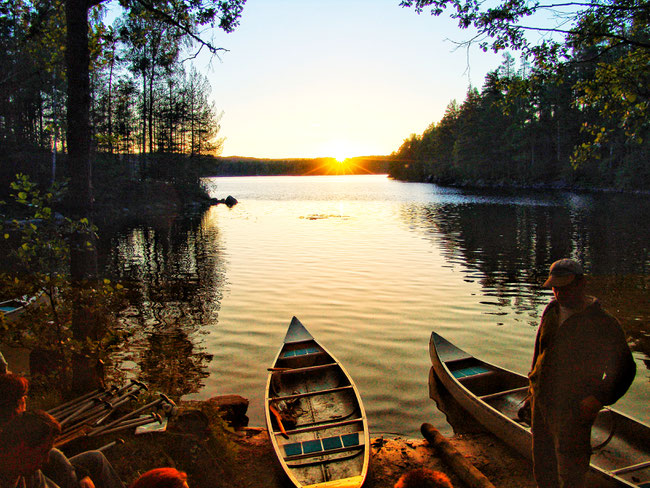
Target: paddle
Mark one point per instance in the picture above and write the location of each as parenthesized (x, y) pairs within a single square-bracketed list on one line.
[(278, 418)]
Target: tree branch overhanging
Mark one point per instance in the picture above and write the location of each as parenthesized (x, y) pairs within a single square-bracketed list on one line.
[(604, 35), (149, 6)]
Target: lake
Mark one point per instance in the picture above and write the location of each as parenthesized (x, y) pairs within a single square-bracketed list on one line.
[(371, 266)]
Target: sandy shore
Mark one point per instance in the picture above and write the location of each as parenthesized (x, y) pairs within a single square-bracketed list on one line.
[(392, 456), (213, 455)]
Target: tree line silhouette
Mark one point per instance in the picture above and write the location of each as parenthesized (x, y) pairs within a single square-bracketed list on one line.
[(577, 113), (528, 127), (142, 98)]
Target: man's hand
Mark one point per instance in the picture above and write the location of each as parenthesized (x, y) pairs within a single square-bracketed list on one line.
[(86, 483), (589, 408)]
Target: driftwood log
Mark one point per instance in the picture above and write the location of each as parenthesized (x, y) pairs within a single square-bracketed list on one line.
[(461, 466)]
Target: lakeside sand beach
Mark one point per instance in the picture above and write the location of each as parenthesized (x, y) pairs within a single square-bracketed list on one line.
[(213, 454)]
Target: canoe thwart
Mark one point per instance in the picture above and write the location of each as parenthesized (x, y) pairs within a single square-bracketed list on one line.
[(503, 393), (322, 426), (309, 393), (307, 369), (323, 461), (634, 467)]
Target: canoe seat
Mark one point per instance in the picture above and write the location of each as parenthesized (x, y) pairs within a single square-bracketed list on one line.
[(301, 352), (320, 447), (504, 393), (470, 371)]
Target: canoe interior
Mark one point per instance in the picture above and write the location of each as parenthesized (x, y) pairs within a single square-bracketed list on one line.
[(505, 391), (629, 446), (10, 306), (483, 379), (321, 416)]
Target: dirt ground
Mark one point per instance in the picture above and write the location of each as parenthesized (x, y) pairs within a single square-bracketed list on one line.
[(201, 442), (391, 457), (218, 457)]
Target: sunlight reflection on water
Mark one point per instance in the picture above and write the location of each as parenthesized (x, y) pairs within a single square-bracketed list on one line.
[(371, 266)]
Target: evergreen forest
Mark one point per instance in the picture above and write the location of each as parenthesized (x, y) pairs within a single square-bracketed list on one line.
[(574, 113), (144, 98)]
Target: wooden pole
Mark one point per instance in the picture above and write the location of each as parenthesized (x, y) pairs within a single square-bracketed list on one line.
[(461, 466)]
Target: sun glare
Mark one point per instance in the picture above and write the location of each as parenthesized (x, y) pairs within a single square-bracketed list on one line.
[(340, 159), (339, 150)]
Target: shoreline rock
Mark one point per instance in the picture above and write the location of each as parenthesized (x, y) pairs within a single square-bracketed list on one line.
[(229, 201)]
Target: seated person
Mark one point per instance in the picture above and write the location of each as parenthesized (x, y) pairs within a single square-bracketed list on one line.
[(161, 478), (25, 447), (423, 478), (13, 396), (13, 402)]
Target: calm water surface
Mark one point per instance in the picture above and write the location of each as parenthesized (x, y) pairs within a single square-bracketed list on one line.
[(371, 266)]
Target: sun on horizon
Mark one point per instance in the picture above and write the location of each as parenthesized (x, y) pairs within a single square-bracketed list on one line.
[(340, 150)]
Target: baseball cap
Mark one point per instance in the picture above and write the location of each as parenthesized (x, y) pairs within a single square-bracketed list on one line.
[(563, 272)]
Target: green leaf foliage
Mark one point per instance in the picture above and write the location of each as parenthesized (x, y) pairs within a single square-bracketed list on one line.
[(40, 257)]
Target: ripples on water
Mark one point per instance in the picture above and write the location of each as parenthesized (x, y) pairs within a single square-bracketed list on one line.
[(370, 266)]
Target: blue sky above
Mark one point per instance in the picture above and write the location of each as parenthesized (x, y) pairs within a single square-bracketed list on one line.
[(306, 78)]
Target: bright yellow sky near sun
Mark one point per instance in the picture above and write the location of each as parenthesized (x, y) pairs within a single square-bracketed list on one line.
[(334, 78)]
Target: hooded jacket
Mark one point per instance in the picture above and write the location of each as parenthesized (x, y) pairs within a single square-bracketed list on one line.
[(586, 355)]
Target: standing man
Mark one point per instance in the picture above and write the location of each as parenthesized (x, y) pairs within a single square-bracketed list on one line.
[(581, 362)]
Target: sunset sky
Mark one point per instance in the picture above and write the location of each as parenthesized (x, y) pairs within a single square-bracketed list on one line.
[(307, 78)]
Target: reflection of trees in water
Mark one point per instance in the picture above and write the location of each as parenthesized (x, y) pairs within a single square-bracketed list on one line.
[(171, 363), (626, 296), (174, 272), (507, 246)]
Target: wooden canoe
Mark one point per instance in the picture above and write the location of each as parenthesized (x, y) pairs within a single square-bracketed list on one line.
[(15, 307), (493, 395), (315, 416)]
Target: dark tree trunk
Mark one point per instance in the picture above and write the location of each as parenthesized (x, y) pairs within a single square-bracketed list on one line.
[(151, 78), (83, 257), (110, 102)]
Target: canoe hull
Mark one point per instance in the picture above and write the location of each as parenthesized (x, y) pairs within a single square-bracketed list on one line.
[(493, 395), (14, 308), (315, 416)]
